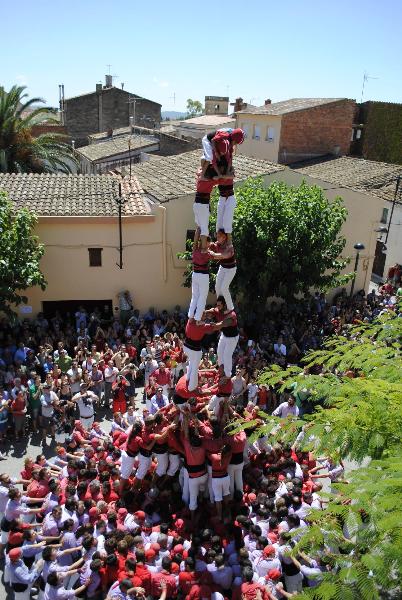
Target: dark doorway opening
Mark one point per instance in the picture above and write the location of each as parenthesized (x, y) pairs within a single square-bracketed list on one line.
[(379, 259), (68, 308)]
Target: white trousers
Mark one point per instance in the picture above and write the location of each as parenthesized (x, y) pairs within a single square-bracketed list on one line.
[(196, 485), (236, 477), (201, 217), (220, 487), (143, 466), (194, 359), (127, 465), (174, 464), (183, 480), (224, 217), (87, 422), (223, 280), (226, 347), (163, 462), (199, 294), (23, 595)]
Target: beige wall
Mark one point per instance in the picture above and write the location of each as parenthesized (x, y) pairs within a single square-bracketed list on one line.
[(363, 219), (151, 270), (262, 148)]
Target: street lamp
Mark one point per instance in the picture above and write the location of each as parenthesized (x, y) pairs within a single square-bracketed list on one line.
[(358, 247)]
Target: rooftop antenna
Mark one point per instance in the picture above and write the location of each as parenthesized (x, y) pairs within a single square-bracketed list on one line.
[(366, 77)]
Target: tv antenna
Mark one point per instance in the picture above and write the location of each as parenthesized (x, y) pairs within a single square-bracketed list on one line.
[(173, 98), (366, 77)]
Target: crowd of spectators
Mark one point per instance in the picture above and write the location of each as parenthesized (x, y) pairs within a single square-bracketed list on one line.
[(161, 501)]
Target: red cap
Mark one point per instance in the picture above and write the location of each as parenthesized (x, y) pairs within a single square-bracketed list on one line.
[(272, 537), (150, 553), (155, 547), (269, 550), (93, 512), (281, 478), (238, 136), (178, 549), (140, 514), (175, 568), (15, 554), (252, 497), (274, 574)]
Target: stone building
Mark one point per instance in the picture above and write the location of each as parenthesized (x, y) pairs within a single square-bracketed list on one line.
[(377, 132), (297, 129), (107, 107), (216, 105)]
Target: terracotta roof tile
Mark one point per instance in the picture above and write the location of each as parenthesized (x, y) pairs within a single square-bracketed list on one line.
[(169, 177), (376, 178), (288, 106), (116, 145), (74, 195)]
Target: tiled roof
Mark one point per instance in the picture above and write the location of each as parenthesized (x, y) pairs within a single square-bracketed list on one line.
[(376, 178), (208, 120), (106, 90), (116, 145), (288, 106), (74, 195), (104, 134), (169, 177)]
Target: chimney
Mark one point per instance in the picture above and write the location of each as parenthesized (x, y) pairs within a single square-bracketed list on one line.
[(122, 85), (98, 88), (109, 81), (268, 101), (237, 104)]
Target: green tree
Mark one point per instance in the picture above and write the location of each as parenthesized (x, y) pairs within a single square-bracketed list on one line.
[(20, 254), (287, 241), (194, 108), (20, 152), (356, 418)]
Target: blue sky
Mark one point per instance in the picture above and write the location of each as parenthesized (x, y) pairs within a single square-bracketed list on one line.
[(255, 49)]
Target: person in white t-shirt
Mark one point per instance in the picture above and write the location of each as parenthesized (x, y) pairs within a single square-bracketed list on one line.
[(48, 401), (85, 401), (110, 374), (252, 391)]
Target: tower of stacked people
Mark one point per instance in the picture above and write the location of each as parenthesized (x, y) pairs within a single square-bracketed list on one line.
[(216, 170)]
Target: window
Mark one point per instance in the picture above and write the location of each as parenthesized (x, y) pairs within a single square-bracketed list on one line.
[(95, 257), (190, 236), (384, 216), (270, 134), (257, 132), (246, 129)]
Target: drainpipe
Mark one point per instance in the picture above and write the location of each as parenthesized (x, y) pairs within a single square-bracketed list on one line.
[(164, 245)]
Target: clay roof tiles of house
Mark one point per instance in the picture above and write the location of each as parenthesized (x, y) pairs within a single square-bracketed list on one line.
[(169, 177), (369, 176), (116, 145), (208, 121), (74, 195), (288, 106)]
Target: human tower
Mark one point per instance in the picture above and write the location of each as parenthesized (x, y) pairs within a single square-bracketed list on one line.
[(216, 169)]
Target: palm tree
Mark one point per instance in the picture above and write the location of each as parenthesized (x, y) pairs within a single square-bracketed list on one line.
[(20, 152)]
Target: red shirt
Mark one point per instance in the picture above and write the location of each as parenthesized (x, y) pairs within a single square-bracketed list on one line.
[(262, 397), (146, 579), (162, 377), (146, 438), (170, 580), (219, 464), (249, 591), (195, 457), (197, 332), (186, 581), (200, 261)]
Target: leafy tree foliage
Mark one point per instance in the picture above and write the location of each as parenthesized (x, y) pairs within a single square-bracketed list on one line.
[(20, 254), (194, 108), (357, 393), (287, 241), (20, 152)]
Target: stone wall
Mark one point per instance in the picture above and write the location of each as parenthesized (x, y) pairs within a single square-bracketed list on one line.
[(169, 144), (108, 108), (316, 131)]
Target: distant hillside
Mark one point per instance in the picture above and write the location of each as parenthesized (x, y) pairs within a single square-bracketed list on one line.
[(172, 114)]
